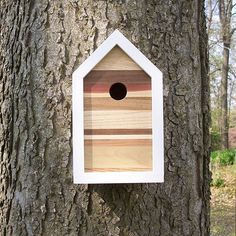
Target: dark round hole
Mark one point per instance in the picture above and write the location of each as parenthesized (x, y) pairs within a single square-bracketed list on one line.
[(118, 91)]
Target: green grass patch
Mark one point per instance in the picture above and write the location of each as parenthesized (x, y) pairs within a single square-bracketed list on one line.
[(223, 157), (215, 140), (218, 181)]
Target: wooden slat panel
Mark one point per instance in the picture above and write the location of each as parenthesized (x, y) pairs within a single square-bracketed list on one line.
[(117, 169), (112, 104), (118, 142), (116, 119), (139, 94), (104, 88), (130, 94), (117, 131), (122, 76), (113, 137), (118, 158), (117, 59)]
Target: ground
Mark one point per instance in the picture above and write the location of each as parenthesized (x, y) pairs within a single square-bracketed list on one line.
[(223, 208)]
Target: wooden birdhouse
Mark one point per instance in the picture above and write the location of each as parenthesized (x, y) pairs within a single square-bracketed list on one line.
[(117, 116)]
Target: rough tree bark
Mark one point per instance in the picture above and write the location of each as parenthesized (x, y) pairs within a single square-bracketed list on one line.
[(42, 42)]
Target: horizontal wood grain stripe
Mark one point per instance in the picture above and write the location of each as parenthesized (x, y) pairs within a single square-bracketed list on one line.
[(118, 157), (118, 119), (130, 94), (122, 76), (119, 142), (117, 169), (117, 131), (112, 104), (112, 137), (117, 59), (104, 88)]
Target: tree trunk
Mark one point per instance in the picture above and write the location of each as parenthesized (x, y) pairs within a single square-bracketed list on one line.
[(42, 43), (224, 98), (225, 13)]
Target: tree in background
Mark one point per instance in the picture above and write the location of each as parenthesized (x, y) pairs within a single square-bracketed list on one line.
[(222, 68), (225, 14), (42, 43)]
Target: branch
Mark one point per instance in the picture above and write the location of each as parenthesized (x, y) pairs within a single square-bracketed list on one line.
[(214, 71), (232, 32), (229, 8), (231, 71), (210, 14), (222, 11)]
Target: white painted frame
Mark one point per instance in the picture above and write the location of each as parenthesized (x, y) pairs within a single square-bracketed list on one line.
[(157, 173)]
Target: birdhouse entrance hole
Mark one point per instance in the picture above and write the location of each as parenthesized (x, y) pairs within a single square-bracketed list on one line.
[(118, 91)]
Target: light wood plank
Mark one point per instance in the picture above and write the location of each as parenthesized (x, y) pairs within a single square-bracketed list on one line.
[(112, 104), (130, 94), (116, 119), (118, 158), (133, 94), (118, 142), (117, 59), (112, 137)]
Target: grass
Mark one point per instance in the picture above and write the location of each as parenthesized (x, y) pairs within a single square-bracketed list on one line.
[(223, 157), (223, 216)]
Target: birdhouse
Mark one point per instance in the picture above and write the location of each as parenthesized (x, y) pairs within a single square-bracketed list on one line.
[(117, 116)]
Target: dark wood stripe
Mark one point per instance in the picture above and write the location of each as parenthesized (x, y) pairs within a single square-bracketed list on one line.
[(93, 103), (116, 131), (118, 142), (115, 76), (116, 169)]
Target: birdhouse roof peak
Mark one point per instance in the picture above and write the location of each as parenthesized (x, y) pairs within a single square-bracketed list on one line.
[(116, 39)]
